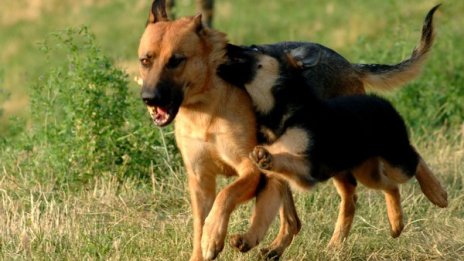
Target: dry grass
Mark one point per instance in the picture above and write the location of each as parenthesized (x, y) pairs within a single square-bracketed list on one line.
[(152, 221)]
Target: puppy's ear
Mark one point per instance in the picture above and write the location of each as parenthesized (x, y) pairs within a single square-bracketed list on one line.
[(239, 67), (157, 12), (235, 54), (304, 56)]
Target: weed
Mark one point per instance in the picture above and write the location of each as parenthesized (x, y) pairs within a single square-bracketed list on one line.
[(84, 122)]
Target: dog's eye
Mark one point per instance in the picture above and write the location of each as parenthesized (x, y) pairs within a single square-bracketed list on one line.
[(145, 62), (175, 61)]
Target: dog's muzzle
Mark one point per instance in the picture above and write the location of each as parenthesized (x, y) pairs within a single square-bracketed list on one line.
[(162, 101)]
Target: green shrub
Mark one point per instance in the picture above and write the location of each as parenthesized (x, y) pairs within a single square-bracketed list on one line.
[(85, 122)]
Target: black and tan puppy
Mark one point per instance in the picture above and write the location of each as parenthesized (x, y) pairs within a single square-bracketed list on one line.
[(309, 140)]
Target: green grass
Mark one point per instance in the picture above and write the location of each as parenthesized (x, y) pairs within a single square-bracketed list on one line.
[(152, 221), (85, 176)]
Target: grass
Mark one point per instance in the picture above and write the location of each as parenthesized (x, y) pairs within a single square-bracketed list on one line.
[(64, 195), (152, 220)]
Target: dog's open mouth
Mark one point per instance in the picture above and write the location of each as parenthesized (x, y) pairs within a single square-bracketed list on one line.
[(161, 116)]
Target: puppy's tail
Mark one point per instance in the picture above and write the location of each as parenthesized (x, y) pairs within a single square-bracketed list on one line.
[(387, 77), (430, 185)]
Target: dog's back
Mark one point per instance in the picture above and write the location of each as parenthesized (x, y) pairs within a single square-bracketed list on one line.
[(329, 73), (349, 130)]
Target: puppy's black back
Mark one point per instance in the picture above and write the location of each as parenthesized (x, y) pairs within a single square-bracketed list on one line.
[(348, 130), (331, 75)]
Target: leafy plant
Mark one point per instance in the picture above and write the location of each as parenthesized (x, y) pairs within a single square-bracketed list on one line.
[(85, 122)]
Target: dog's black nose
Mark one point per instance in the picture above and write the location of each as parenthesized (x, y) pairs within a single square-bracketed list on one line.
[(148, 97), (159, 95)]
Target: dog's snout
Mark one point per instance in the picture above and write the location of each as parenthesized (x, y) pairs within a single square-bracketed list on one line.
[(147, 95), (158, 95), (150, 96)]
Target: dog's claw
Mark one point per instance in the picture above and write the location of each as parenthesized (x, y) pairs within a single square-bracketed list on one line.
[(262, 158)]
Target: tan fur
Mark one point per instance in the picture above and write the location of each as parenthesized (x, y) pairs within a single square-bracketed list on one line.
[(347, 192), (267, 202), (290, 225), (390, 81), (394, 211), (215, 130), (287, 157), (266, 77)]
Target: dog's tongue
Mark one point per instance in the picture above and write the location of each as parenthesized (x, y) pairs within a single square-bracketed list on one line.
[(161, 115)]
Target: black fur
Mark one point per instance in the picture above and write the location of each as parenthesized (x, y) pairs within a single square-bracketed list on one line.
[(327, 71), (344, 131)]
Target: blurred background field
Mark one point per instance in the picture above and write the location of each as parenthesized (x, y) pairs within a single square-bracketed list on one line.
[(85, 175), (363, 31)]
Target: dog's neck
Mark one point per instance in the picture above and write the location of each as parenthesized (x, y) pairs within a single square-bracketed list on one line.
[(197, 120)]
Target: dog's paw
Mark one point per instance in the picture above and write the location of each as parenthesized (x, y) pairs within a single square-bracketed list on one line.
[(269, 254), (396, 229), (262, 158), (212, 240), (240, 243)]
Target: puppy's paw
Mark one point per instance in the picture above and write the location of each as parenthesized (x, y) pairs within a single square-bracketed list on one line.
[(262, 158), (396, 229), (240, 243)]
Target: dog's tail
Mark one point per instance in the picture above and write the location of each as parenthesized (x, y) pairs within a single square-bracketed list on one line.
[(430, 185), (387, 77)]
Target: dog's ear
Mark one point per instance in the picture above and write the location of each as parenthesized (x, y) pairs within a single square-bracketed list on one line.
[(158, 12), (198, 24), (304, 56)]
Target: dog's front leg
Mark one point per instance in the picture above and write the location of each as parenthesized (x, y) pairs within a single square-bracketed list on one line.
[(241, 190), (202, 192)]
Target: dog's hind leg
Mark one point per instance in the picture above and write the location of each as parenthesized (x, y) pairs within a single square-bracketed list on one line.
[(346, 188), (268, 201), (402, 166), (376, 174), (274, 193), (238, 192), (430, 185), (394, 211), (290, 225)]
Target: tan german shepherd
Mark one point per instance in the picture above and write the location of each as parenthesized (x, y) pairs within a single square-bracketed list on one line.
[(215, 130)]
